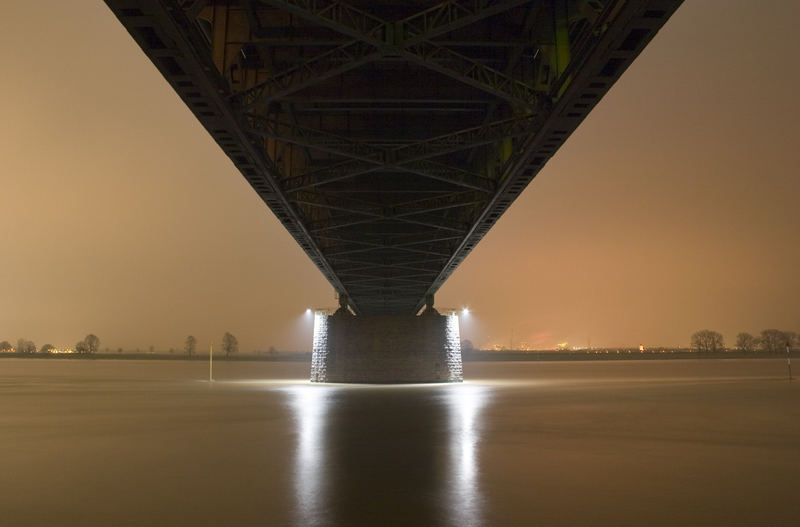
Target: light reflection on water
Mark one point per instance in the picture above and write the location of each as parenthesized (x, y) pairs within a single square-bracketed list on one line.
[(372, 454), (309, 405), (465, 403)]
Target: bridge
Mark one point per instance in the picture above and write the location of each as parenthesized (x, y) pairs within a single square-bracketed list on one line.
[(389, 136)]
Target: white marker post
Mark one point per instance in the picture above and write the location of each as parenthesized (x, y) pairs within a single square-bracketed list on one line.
[(789, 362), (210, 363)]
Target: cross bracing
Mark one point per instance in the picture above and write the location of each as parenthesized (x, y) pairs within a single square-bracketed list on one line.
[(389, 136)]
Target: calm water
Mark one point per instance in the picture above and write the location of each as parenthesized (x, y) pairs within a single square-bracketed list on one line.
[(114, 443)]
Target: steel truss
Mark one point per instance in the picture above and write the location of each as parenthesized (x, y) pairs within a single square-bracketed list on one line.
[(408, 38), (388, 138)]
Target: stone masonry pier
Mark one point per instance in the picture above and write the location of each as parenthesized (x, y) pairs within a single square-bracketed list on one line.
[(386, 348)]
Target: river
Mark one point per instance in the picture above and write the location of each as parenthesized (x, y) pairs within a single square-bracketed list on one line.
[(153, 443)]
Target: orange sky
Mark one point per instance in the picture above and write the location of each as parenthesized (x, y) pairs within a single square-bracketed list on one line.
[(674, 207)]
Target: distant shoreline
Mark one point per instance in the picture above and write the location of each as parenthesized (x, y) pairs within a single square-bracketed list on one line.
[(617, 354), (278, 357), (468, 356)]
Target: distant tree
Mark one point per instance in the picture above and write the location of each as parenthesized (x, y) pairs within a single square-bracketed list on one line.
[(746, 342), (707, 340), (46, 348), (92, 343), (81, 347), (119, 350), (6, 346), (466, 345), (190, 345), (25, 346), (152, 348), (229, 344), (272, 350), (774, 340)]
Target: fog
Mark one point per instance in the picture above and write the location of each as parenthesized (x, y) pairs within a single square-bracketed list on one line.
[(671, 209)]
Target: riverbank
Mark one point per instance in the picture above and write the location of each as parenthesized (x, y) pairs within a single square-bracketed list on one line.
[(275, 357), (616, 354), (468, 356)]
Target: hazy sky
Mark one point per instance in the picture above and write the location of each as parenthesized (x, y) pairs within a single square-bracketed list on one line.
[(672, 208)]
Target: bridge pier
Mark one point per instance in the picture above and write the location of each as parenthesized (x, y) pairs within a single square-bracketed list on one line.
[(385, 349)]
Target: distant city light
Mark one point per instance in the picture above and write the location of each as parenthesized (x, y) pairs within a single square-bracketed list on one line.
[(308, 311), (465, 311)]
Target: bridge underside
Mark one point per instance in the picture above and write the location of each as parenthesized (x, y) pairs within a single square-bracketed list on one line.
[(388, 137)]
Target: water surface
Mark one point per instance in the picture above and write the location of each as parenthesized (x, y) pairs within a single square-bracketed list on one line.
[(695, 442)]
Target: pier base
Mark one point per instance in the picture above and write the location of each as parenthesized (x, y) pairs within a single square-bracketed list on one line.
[(386, 349)]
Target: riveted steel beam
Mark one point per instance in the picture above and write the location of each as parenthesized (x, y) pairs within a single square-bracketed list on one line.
[(442, 224), (518, 126), (400, 279), (446, 173), (386, 247), (449, 16), (333, 144), (412, 158), (397, 240), (379, 262), (387, 38), (317, 69), (400, 211), (427, 24)]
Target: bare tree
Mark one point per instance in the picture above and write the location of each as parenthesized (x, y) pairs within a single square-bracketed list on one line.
[(81, 347), (190, 345), (25, 346), (92, 343), (746, 342), (707, 340), (6, 346), (46, 348), (229, 344), (773, 340)]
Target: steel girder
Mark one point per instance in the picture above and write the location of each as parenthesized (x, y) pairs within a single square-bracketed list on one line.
[(408, 38), (412, 158), (388, 137)]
